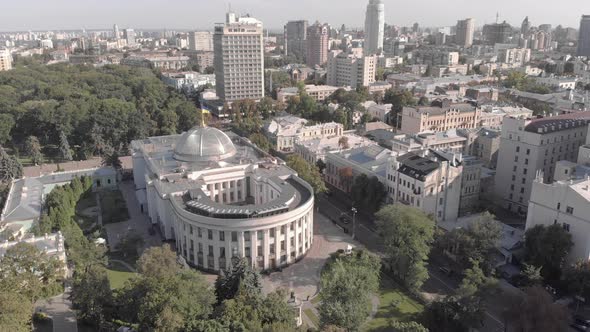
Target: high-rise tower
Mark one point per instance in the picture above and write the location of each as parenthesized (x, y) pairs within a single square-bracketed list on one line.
[(584, 37), (374, 27), (465, 30)]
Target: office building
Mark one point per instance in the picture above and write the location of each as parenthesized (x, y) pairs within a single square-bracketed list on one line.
[(465, 31), (514, 56), (525, 26), (284, 131), (220, 197), (374, 27), (528, 146), (318, 36), (201, 41), (441, 116), (295, 35), (350, 70), (239, 59), (497, 33), (313, 150), (116, 31), (129, 36), (584, 36), (5, 60)]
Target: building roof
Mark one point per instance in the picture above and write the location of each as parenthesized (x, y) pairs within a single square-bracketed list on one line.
[(558, 123), (203, 144), (435, 110), (416, 166)]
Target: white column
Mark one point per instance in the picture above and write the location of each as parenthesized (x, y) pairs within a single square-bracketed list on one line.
[(288, 241), (241, 250), (206, 255), (235, 191), (266, 248), (297, 230), (254, 247), (215, 252), (228, 252)]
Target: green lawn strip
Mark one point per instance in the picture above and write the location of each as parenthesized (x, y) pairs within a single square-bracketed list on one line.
[(405, 307), (316, 300), (312, 316), (113, 206), (118, 274)]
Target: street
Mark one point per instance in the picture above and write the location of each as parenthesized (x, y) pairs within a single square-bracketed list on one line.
[(437, 285)]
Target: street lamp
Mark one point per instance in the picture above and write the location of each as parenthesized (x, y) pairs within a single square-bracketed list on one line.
[(353, 210)]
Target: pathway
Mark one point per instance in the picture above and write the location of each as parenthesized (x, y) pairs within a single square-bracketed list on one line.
[(131, 268), (59, 309)]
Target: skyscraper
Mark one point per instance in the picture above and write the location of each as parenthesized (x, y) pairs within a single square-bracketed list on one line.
[(239, 58), (497, 33), (129, 35), (295, 34), (318, 36), (116, 31), (584, 36), (374, 27), (465, 30), (525, 26)]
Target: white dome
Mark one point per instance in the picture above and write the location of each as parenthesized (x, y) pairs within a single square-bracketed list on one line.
[(201, 144)]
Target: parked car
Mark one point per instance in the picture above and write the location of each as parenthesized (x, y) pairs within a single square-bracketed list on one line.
[(445, 270)]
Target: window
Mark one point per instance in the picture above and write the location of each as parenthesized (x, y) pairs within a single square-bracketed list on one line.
[(569, 210), (526, 161), (221, 236), (515, 159), (528, 151), (566, 226), (199, 234), (558, 205), (191, 229), (260, 235), (522, 190), (210, 253), (272, 233), (440, 201), (514, 168), (518, 149), (210, 234), (523, 180), (234, 236)]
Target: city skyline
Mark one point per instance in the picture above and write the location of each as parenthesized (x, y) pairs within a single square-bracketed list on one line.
[(71, 15)]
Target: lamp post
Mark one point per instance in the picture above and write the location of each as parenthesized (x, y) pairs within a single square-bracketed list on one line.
[(353, 210)]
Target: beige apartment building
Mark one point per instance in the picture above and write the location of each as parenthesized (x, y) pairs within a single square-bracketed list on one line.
[(5, 60), (317, 92), (441, 116), (318, 36), (239, 59), (530, 146), (351, 70), (200, 41)]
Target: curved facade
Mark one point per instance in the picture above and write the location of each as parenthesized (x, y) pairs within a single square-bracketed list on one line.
[(245, 204)]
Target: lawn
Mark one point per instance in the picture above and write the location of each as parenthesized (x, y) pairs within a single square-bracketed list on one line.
[(113, 206), (312, 316), (118, 274), (394, 303)]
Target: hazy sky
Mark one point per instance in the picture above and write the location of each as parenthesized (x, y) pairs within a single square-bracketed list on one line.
[(202, 14)]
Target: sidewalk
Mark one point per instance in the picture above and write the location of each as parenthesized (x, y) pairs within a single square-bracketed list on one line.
[(59, 308)]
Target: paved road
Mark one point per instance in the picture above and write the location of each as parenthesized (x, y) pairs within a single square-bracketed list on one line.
[(138, 222), (59, 309)]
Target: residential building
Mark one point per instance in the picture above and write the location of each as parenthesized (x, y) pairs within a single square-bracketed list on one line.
[(239, 59), (164, 61), (514, 56), (200, 41), (5, 60), (378, 111), (318, 36), (374, 27), (349, 70), (528, 146), (486, 147), (317, 92), (343, 167), (205, 60), (219, 197), (441, 116), (482, 93), (470, 184), (430, 181), (584, 36), (565, 203), (188, 81), (465, 31), (284, 131), (316, 149), (436, 57), (129, 36), (558, 83), (116, 33), (295, 36), (493, 116), (446, 141)]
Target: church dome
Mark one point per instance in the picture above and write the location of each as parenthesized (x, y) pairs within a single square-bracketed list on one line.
[(202, 144)]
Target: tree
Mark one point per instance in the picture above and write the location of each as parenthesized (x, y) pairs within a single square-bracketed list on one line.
[(476, 283), (91, 295), (65, 152), (407, 326), (532, 274), (15, 311), (239, 277), (6, 124), (30, 271), (423, 101), (537, 312), (321, 165), (10, 167), (347, 283), (548, 247), (33, 148), (453, 314), (158, 262), (368, 193), (112, 159), (261, 141), (307, 172), (577, 278), (477, 242), (408, 234), (343, 143), (130, 244)]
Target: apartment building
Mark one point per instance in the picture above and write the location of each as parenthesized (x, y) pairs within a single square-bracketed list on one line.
[(514, 56), (318, 36), (430, 182), (351, 70), (5, 60), (528, 146), (284, 131), (441, 116), (200, 41)]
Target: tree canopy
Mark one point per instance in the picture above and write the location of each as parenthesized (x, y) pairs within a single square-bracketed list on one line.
[(408, 234), (547, 247), (307, 172)]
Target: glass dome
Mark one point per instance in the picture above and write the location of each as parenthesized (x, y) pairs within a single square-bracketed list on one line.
[(201, 144)]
